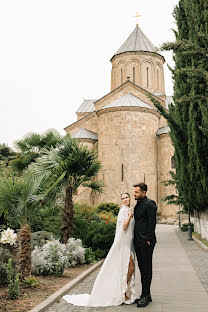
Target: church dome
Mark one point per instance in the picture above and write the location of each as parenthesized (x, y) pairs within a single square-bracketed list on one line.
[(137, 41), (139, 61)]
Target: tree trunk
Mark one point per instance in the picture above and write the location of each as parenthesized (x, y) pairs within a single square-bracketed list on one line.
[(67, 215), (24, 257)]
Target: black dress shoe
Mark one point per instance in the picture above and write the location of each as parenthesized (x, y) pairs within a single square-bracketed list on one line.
[(149, 299), (143, 302)]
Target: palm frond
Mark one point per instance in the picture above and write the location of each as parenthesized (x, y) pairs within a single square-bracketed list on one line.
[(30, 140), (93, 169), (55, 184), (96, 186), (46, 163)]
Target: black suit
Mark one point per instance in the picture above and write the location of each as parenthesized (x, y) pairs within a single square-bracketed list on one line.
[(145, 222)]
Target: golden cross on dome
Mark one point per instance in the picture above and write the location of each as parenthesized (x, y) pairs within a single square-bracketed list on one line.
[(137, 16)]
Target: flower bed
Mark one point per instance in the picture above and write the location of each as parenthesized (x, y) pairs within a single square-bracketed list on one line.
[(30, 297)]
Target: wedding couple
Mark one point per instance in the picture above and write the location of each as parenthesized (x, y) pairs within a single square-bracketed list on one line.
[(118, 280)]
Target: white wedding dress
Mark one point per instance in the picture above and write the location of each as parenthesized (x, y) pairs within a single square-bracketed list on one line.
[(111, 283)]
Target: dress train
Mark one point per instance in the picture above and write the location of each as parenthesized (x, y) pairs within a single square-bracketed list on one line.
[(111, 283)]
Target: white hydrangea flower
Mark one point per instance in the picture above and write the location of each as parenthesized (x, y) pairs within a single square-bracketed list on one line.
[(8, 237)]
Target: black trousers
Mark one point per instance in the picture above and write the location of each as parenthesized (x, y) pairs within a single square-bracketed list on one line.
[(144, 259)]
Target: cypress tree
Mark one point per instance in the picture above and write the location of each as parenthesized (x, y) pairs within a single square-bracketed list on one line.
[(188, 117)]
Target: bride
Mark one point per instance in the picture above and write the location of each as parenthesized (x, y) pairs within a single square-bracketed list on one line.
[(115, 283)]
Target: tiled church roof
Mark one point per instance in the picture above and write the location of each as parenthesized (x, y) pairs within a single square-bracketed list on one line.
[(137, 41), (87, 106), (85, 134), (129, 100)]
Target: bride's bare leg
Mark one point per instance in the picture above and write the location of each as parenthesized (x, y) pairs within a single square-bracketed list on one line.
[(131, 268), (130, 272)]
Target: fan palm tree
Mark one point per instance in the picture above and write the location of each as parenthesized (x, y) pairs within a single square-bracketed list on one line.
[(31, 146), (68, 167), (18, 199)]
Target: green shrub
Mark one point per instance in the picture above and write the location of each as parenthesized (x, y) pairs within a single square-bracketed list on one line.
[(100, 235), (100, 254), (184, 227), (94, 233), (85, 209), (5, 255), (30, 281), (59, 270), (47, 219), (108, 217), (89, 255), (108, 207), (14, 281), (40, 238), (12, 223)]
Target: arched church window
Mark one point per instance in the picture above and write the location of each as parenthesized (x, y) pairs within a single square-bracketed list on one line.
[(147, 77), (157, 84), (121, 75), (173, 162), (133, 74), (122, 172)]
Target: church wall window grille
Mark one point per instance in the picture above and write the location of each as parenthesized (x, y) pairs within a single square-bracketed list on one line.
[(122, 172), (173, 165), (133, 74)]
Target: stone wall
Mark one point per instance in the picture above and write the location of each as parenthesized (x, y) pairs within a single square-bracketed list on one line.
[(128, 151), (162, 122), (89, 122), (201, 223)]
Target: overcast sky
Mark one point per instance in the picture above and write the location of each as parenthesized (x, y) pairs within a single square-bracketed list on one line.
[(55, 53)]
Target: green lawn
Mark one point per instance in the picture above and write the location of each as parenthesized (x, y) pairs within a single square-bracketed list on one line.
[(204, 241)]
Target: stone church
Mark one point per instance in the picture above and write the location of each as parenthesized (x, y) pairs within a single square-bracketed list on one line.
[(129, 135)]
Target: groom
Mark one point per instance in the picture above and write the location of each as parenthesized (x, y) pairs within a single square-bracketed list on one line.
[(144, 239)]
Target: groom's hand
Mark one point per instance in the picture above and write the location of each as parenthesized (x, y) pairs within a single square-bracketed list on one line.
[(148, 242)]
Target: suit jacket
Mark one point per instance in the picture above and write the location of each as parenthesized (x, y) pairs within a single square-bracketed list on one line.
[(145, 222)]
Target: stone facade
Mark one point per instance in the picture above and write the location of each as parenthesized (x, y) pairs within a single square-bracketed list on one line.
[(127, 150), (128, 144), (143, 68)]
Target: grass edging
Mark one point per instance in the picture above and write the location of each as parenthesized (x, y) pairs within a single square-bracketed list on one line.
[(199, 241), (66, 288)]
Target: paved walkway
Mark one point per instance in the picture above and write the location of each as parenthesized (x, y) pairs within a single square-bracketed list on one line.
[(176, 286), (198, 258)]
